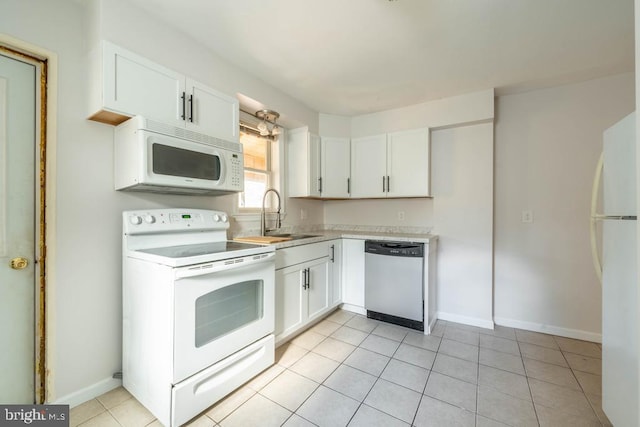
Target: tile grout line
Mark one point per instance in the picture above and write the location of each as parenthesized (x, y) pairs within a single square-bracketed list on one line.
[(533, 403), (578, 381)]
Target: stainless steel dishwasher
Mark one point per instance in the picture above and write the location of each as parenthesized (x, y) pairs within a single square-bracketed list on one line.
[(394, 282)]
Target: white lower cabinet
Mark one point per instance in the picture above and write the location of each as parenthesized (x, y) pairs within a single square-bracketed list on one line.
[(305, 286), (353, 275), (335, 268)]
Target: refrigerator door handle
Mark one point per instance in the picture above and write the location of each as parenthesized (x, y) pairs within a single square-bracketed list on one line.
[(599, 217), (595, 217)]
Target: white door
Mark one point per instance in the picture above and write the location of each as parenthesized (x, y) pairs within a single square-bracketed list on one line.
[(335, 268), (318, 286), (336, 167), (369, 166), (620, 323), (620, 390), (211, 112), (289, 295), (17, 230), (314, 166), (408, 163), (135, 85)]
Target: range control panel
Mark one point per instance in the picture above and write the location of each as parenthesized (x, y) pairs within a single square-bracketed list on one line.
[(169, 220)]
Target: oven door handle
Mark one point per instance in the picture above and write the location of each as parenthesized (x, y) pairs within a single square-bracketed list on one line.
[(225, 265)]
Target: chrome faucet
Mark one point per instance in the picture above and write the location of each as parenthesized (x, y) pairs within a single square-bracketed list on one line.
[(263, 218)]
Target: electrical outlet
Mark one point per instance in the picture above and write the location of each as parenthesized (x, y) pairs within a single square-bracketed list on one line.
[(527, 216), (303, 214), (400, 215)]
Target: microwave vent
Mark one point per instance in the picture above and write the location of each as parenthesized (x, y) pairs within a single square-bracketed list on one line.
[(170, 130)]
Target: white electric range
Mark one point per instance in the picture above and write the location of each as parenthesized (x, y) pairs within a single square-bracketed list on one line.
[(198, 310)]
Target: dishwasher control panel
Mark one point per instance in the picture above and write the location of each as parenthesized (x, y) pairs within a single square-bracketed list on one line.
[(392, 248)]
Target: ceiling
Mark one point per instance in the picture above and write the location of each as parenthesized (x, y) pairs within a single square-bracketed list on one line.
[(351, 57)]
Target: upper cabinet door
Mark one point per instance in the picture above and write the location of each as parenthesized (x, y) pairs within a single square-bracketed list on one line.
[(133, 85), (211, 112), (368, 166), (315, 180), (336, 165), (303, 160), (408, 163)]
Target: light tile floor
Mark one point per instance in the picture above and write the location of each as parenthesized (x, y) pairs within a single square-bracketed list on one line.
[(350, 370)]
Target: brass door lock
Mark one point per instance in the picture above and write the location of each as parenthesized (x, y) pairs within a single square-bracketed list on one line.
[(19, 263)]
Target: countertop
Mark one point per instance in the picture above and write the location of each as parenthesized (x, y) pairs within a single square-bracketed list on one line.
[(321, 236)]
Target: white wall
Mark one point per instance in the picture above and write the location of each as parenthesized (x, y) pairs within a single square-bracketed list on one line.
[(547, 145), (84, 333), (462, 174)]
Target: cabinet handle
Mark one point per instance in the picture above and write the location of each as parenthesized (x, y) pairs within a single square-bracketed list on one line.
[(383, 190), (320, 185), (348, 185), (184, 106), (333, 253), (308, 278), (191, 108), (304, 279), (388, 186)]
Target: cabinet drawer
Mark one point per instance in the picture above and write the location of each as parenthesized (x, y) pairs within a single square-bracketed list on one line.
[(298, 254)]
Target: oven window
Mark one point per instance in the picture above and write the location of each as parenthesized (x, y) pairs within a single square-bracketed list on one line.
[(186, 163), (223, 311)]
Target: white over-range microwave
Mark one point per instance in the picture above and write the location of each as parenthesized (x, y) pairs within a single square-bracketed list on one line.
[(152, 156)]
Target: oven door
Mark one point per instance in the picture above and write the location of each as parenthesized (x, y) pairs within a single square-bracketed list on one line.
[(220, 308)]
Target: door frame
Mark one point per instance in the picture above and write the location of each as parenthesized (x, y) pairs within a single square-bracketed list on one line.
[(46, 96)]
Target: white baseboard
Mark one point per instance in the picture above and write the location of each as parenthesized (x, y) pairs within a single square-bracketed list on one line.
[(88, 393), (550, 329), (354, 309), (465, 320)]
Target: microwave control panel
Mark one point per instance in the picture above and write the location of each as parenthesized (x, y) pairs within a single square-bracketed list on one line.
[(237, 171)]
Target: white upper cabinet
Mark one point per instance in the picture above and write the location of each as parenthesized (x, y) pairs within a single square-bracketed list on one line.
[(130, 85), (211, 112), (369, 166), (303, 163), (408, 163), (391, 165), (335, 167)]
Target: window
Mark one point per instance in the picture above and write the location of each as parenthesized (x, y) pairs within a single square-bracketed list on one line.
[(257, 170)]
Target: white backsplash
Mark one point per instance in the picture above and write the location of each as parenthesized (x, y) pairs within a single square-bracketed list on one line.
[(299, 229)]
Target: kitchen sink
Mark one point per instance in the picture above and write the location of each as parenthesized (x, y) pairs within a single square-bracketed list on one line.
[(293, 236)]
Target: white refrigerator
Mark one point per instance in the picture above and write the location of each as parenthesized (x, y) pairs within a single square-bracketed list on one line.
[(619, 275)]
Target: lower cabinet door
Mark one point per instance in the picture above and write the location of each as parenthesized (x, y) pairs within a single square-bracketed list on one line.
[(291, 312), (318, 286), (335, 270)]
